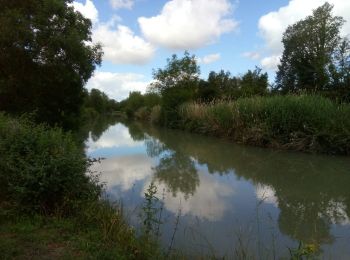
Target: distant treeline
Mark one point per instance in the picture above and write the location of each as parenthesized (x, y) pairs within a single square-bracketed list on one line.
[(97, 102)]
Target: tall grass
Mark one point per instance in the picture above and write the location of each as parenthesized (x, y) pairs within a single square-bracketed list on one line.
[(305, 123)]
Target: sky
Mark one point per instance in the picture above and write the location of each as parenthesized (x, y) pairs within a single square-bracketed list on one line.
[(232, 35)]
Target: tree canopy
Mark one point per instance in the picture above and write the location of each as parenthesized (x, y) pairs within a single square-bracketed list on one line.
[(46, 57), (315, 56), (178, 71)]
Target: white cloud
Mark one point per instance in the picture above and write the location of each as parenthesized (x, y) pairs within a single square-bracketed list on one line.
[(271, 62), (252, 55), (209, 58), (188, 24), (119, 43), (88, 10), (118, 85), (273, 24), (118, 4)]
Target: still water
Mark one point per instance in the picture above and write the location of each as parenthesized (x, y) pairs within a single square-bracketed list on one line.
[(228, 199)]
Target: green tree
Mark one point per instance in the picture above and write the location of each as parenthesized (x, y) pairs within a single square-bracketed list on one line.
[(46, 57), (223, 83), (177, 72), (254, 83), (97, 100), (177, 83), (309, 60), (134, 102)]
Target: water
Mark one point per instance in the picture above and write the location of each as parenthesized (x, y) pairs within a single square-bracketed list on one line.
[(230, 199)]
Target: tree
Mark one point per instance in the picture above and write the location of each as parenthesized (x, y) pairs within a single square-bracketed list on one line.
[(309, 60), (134, 102), (227, 86), (254, 83), (177, 83), (46, 57), (98, 101), (177, 72)]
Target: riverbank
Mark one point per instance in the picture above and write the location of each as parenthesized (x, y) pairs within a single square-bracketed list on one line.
[(50, 207), (54, 237), (301, 123)]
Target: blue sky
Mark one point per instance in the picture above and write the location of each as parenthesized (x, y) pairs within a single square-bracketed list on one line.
[(139, 35)]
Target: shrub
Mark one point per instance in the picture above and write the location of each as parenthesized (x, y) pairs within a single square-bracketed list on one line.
[(142, 113), (155, 114), (42, 169)]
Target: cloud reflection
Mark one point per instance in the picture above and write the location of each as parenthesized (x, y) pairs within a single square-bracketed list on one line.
[(124, 171), (209, 201), (266, 193), (115, 136)]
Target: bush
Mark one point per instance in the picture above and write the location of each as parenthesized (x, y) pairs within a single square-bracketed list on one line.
[(42, 170), (142, 113), (155, 114)]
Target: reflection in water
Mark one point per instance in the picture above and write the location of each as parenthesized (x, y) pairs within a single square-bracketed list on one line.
[(124, 171), (266, 194), (218, 185), (208, 202), (115, 136), (179, 174)]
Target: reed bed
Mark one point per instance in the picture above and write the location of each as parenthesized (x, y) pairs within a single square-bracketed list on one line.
[(304, 123)]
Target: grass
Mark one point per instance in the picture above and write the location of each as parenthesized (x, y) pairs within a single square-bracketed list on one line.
[(54, 238), (303, 123), (98, 232)]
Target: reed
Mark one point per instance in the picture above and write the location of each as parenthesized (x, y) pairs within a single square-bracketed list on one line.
[(305, 123)]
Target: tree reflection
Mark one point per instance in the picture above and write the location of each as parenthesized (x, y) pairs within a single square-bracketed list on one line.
[(312, 191), (178, 172), (96, 127)]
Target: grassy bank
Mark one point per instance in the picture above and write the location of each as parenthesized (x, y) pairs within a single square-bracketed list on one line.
[(49, 207), (303, 123)]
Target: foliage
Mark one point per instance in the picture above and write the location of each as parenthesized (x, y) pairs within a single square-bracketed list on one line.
[(46, 58), (42, 169), (155, 114), (150, 211), (315, 57), (97, 102), (302, 252), (141, 103), (172, 98), (306, 123), (253, 83), (177, 83), (177, 72), (218, 85)]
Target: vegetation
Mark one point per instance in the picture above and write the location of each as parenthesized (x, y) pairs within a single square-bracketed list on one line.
[(46, 58), (304, 123), (315, 58), (42, 170), (49, 206), (139, 105), (97, 103), (44, 78)]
